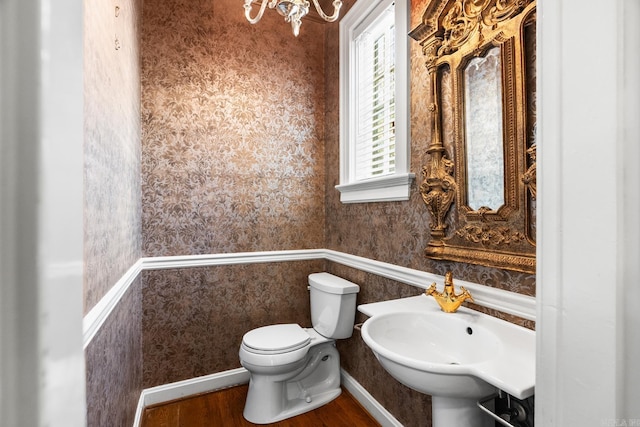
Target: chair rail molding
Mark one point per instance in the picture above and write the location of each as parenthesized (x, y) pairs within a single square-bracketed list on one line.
[(497, 299), (95, 318)]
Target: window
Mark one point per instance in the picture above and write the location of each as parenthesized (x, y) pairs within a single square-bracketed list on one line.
[(374, 103)]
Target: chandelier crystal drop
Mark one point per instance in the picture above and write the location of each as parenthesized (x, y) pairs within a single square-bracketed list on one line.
[(292, 10)]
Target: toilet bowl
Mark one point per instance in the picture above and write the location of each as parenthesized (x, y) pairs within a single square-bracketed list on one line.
[(289, 383), (293, 369)]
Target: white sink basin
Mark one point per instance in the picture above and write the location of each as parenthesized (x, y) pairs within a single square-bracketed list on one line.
[(431, 352), (457, 358)]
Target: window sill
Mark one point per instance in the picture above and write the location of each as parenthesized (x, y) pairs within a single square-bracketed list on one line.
[(385, 189)]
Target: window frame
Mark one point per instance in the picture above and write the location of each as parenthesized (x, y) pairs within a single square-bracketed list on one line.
[(395, 186)]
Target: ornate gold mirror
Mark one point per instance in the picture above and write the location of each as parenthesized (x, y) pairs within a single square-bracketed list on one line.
[(479, 176)]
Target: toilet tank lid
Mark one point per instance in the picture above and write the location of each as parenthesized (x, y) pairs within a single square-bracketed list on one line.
[(332, 284)]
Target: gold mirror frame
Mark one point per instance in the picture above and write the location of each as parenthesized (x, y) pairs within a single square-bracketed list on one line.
[(452, 33)]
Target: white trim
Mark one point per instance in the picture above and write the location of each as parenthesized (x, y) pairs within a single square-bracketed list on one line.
[(98, 314), (205, 384), (389, 188), (181, 389), (187, 261), (498, 299), (137, 421), (373, 407)]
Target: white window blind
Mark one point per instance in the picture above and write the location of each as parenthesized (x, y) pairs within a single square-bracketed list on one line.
[(375, 98), (374, 102)]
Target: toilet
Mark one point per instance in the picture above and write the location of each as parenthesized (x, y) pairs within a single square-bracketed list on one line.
[(292, 369)]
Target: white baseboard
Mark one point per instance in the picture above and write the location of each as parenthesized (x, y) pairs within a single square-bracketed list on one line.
[(137, 421), (181, 389), (375, 409), (221, 380)]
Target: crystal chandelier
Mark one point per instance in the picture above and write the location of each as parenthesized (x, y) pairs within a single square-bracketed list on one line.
[(292, 10)]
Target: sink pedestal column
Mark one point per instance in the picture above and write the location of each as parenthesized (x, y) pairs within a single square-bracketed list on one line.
[(451, 411)]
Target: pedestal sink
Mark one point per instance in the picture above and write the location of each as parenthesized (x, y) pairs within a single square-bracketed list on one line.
[(457, 358)]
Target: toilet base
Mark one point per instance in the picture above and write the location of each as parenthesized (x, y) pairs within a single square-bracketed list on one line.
[(293, 408), (273, 398)]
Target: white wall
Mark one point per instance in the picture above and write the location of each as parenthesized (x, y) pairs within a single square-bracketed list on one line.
[(629, 221), (41, 124), (588, 213)]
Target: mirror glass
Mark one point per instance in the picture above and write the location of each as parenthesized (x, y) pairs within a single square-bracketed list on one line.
[(483, 131)]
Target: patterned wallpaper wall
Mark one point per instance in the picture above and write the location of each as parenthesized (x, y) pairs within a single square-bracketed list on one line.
[(114, 364), (194, 319), (112, 199), (233, 161), (232, 122)]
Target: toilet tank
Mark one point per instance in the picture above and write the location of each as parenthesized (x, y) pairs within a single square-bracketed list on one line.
[(333, 305)]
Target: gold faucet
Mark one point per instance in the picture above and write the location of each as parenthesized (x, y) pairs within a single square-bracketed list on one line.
[(448, 300)]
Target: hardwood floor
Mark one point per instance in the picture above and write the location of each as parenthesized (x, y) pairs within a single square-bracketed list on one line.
[(224, 408)]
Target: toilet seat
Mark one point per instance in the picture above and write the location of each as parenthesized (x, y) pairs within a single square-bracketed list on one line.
[(276, 339)]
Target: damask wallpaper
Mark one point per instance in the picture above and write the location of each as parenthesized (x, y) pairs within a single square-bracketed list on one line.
[(112, 205), (112, 199), (232, 161), (194, 319), (114, 364), (232, 124)]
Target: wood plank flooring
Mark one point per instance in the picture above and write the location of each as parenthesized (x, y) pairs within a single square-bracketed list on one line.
[(224, 408)]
